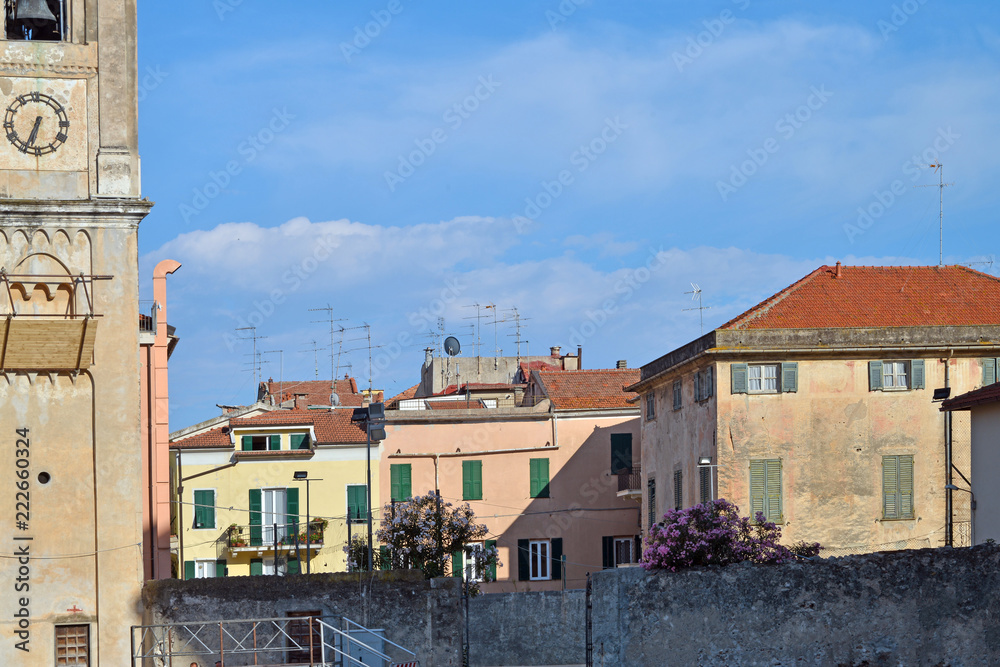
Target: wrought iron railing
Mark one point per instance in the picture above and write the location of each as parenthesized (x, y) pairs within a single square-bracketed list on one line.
[(276, 534), (630, 479)]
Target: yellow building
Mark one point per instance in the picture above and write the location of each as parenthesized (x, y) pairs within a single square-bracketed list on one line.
[(251, 481)]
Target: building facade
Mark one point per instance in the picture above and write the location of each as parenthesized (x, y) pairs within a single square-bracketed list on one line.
[(70, 207), (538, 474), (817, 407)]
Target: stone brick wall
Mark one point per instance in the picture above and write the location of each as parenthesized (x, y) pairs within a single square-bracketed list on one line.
[(923, 607), (527, 629)]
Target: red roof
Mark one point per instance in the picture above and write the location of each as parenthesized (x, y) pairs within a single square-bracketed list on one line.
[(332, 427), (477, 386), (473, 404), (589, 389), (988, 394), (406, 395), (879, 296), (317, 391)]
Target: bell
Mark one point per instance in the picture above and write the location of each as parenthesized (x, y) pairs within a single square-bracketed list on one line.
[(33, 10)]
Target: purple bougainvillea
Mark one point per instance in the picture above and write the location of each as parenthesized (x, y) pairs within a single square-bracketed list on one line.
[(714, 533)]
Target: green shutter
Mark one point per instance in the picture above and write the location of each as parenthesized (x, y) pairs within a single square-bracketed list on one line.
[(400, 476), (789, 377), (188, 569), (621, 452), (293, 566), (523, 561), (406, 481), (906, 487), (678, 490), (989, 371), (539, 473), (890, 487), (758, 487), (204, 509), (247, 441), (875, 376), (292, 510), (220, 568), (917, 374), (773, 511), (705, 482), (608, 552), (651, 499), (740, 378), (357, 503), (456, 563), (491, 573), (256, 567), (384, 558), (256, 534), (275, 442), (557, 554), (472, 480), (299, 440)]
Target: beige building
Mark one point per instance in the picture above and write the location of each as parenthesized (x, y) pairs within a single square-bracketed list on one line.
[(537, 471), (70, 207), (817, 407), (984, 407)]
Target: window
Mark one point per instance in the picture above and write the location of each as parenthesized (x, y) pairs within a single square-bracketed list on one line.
[(621, 453), (274, 515), (619, 551), (678, 489), (651, 499), (651, 406), (677, 395), (400, 478), (73, 645), (704, 484), (703, 384), (896, 375), (472, 480), (204, 569), (765, 378), (897, 487), (47, 24), (357, 503), (274, 566), (204, 509), (260, 443), (298, 441), (990, 371), (765, 489), (539, 474), (468, 563), (538, 551)]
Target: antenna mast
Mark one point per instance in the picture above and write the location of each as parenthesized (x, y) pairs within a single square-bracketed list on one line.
[(256, 365), (939, 167), (333, 329), (281, 372), (696, 294)]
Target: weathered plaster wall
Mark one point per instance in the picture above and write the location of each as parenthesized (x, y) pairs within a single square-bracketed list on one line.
[(527, 629), (986, 454), (925, 607), (424, 616)]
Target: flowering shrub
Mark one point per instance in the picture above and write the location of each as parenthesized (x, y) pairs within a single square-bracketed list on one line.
[(715, 534), (424, 531)]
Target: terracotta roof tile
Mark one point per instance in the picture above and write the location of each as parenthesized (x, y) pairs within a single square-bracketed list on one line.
[(988, 394), (879, 296), (317, 391), (589, 389), (332, 427), (406, 395), (215, 438)]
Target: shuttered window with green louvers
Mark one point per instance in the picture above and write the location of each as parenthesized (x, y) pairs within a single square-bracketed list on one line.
[(678, 490), (472, 480), (765, 489), (400, 479), (897, 487), (651, 499), (539, 478), (990, 375)]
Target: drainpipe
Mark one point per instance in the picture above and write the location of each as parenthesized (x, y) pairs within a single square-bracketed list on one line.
[(180, 517), (949, 535)]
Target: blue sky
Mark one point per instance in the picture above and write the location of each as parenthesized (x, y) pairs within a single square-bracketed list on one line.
[(584, 161)]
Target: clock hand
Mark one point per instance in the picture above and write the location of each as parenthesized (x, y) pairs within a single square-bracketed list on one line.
[(34, 132)]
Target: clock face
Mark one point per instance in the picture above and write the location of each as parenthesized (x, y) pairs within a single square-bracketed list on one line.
[(36, 124)]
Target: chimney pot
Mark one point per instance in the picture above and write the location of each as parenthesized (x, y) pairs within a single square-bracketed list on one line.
[(839, 273), (556, 349), (622, 363)]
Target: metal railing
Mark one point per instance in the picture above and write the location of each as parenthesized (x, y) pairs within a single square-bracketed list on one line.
[(630, 479), (276, 535), (308, 640)]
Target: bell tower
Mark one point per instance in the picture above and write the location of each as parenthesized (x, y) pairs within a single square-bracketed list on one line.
[(70, 443)]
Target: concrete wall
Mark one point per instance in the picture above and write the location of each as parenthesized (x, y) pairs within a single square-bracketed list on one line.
[(922, 607), (424, 616), (986, 455), (522, 629)]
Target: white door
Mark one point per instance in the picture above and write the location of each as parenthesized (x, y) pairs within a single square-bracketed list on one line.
[(274, 506)]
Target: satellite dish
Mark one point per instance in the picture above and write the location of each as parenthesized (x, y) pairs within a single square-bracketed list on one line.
[(452, 346), (334, 399)]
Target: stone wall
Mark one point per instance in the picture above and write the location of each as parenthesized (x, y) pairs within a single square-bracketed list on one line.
[(527, 629), (924, 607), (424, 616)]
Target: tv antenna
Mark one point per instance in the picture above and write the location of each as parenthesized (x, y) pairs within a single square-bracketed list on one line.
[(988, 263), (939, 167), (334, 358), (256, 360), (281, 372), (696, 294), (517, 331), (315, 350)]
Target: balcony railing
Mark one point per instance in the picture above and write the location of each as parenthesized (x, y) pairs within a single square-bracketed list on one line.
[(630, 479), (273, 535)]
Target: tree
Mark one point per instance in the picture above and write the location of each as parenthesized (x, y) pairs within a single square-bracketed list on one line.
[(424, 531), (714, 533)]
